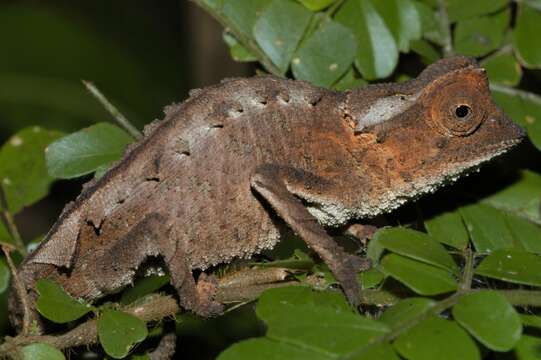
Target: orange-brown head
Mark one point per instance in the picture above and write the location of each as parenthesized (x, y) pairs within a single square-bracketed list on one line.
[(417, 136)]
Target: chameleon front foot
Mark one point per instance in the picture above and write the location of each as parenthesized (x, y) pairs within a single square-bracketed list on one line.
[(207, 288)]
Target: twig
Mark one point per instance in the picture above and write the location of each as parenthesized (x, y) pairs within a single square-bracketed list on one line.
[(445, 28), (23, 296), (9, 221), (467, 274), (117, 115), (516, 92), (248, 42)]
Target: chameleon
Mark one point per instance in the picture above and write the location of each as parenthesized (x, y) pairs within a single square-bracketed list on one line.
[(226, 169)]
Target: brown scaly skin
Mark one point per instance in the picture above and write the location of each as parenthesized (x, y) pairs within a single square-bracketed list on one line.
[(215, 179)]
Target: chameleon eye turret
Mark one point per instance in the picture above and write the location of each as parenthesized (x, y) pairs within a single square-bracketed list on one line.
[(457, 109)]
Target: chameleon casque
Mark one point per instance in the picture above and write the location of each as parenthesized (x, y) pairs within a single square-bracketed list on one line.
[(216, 179)]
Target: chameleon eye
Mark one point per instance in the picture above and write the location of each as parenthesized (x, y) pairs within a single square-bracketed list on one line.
[(463, 112)]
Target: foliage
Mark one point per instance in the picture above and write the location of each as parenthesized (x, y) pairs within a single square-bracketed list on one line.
[(460, 282)]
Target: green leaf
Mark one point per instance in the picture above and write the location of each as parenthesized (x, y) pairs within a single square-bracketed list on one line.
[(418, 246), (370, 278), (479, 36), (487, 227), (142, 287), (23, 174), (298, 260), (326, 55), (237, 51), (377, 53), (405, 311), (463, 9), (279, 30), (421, 278), (316, 5), (503, 68), (531, 320), (528, 348), (349, 81), (514, 266), (526, 42), (85, 151), (490, 319), (375, 249), (263, 348), (448, 229), (428, 53), (526, 234), (436, 338), (57, 305), (380, 352), (430, 24), (299, 317), (303, 295), (118, 332), (523, 107), (4, 275), (41, 351), (403, 20), (521, 198), (242, 14), (101, 170), (144, 356)]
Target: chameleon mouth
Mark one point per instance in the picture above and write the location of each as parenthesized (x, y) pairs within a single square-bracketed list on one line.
[(503, 146)]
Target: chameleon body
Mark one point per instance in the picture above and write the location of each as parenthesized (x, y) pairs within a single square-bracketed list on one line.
[(216, 179)]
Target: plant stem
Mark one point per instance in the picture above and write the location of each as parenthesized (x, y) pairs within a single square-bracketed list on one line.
[(246, 41), (23, 296), (516, 92), (445, 28), (9, 221), (467, 274), (117, 115)]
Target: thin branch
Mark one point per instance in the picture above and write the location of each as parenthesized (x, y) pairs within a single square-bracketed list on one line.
[(445, 29), (117, 115), (467, 274), (9, 221), (23, 296), (246, 41), (516, 92)]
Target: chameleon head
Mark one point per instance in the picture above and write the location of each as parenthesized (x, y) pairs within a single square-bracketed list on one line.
[(463, 125), (442, 124)]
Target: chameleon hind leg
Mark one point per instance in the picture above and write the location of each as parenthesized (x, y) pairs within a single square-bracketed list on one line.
[(152, 237)]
